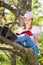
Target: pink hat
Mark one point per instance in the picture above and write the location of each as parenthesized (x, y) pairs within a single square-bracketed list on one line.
[(29, 14)]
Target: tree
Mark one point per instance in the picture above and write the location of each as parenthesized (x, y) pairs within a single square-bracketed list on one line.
[(16, 49)]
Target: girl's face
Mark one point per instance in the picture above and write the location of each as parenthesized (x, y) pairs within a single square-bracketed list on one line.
[(28, 22)]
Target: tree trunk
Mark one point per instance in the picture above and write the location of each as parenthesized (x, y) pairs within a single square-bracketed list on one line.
[(25, 5)]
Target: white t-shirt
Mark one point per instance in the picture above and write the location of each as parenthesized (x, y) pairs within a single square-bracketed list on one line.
[(35, 30)]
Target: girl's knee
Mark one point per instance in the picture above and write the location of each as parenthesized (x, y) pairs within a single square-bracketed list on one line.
[(27, 36)]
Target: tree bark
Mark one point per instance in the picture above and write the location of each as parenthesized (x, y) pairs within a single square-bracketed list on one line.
[(25, 5)]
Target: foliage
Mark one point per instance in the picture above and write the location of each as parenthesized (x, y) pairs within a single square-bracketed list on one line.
[(40, 55), (4, 59), (36, 8)]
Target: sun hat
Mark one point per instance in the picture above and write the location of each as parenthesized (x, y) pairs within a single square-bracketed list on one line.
[(29, 14)]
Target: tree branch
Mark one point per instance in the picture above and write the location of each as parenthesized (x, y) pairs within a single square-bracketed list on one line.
[(14, 45), (14, 10)]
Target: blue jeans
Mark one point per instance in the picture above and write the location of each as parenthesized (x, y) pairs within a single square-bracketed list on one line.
[(28, 41)]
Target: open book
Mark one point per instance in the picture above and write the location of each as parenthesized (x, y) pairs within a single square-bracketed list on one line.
[(25, 31)]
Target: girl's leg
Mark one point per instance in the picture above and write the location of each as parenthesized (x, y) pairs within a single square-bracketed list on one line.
[(29, 42)]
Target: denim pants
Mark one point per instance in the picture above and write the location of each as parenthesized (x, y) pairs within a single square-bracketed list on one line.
[(28, 41)]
